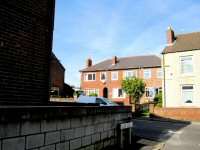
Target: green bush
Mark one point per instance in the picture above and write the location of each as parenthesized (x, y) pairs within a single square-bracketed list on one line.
[(158, 99), (93, 94), (75, 93)]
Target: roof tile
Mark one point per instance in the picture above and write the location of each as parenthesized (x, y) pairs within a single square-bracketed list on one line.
[(134, 62)]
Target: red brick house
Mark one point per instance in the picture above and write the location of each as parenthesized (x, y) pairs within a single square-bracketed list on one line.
[(104, 78), (57, 76)]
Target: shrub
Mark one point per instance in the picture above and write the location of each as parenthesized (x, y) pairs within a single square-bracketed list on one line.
[(93, 94), (158, 99), (75, 94)]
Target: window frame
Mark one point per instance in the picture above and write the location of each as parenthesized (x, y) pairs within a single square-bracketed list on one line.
[(112, 75), (123, 93), (149, 94), (134, 73), (159, 71), (150, 74), (100, 76), (181, 62), (193, 91), (90, 91), (86, 77)]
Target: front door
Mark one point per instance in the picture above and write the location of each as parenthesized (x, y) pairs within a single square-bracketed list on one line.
[(105, 92)]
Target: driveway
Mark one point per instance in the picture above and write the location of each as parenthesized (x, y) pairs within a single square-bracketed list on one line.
[(176, 135)]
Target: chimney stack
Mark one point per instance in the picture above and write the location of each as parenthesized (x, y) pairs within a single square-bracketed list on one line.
[(89, 62), (170, 35), (114, 60)]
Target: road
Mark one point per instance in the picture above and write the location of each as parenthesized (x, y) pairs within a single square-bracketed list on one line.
[(176, 135)]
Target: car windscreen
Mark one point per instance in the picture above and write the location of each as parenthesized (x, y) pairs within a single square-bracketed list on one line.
[(108, 101), (80, 92)]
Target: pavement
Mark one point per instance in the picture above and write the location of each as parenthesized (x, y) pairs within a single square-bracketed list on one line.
[(141, 143), (166, 134)]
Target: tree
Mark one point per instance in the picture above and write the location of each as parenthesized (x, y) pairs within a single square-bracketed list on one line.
[(133, 87)]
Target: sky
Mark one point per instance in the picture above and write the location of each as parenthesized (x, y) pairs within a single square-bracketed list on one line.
[(101, 29)]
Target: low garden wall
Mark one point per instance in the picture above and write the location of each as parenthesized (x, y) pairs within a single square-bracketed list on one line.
[(170, 113), (177, 113), (60, 127)]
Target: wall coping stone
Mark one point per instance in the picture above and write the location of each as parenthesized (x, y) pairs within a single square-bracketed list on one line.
[(24, 113)]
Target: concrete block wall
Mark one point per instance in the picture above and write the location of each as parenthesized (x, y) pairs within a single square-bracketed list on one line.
[(63, 128)]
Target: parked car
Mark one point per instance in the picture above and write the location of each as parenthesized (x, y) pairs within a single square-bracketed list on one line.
[(99, 100)]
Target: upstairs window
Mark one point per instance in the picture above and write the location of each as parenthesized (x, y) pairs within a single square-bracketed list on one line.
[(114, 75), (186, 65), (128, 74), (159, 73), (147, 74), (90, 77), (102, 76)]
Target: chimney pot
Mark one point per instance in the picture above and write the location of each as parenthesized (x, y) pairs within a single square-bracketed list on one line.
[(170, 35)]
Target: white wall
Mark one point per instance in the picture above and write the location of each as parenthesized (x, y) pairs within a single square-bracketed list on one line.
[(174, 79)]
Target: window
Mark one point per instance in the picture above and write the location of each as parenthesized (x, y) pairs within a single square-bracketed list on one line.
[(90, 77), (147, 74), (187, 93), (159, 73), (102, 76), (186, 65), (114, 75), (150, 92), (128, 74), (88, 92), (118, 93), (158, 90)]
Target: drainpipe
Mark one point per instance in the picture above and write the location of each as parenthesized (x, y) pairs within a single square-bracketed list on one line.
[(164, 84), (108, 82)]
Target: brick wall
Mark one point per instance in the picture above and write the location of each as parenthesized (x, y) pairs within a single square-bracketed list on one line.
[(25, 50), (57, 74), (177, 113), (110, 84), (59, 128)]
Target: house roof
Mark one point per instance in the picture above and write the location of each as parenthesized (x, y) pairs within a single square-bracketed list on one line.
[(134, 62), (184, 42), (54, 58)]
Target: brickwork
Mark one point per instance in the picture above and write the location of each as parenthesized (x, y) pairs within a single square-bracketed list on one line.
[(25, 48), (177, 113), (96, 128), (154, 81), (57, 74)]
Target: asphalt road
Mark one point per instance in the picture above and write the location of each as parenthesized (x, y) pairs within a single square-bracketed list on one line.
[(176, 135)]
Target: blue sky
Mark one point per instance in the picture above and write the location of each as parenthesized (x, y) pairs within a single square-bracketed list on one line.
[(101, 29)]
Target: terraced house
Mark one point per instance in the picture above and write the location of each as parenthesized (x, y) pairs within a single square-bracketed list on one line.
[(105, 78), (181, 65)]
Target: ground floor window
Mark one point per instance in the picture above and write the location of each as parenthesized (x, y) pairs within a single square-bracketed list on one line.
[(187, 93), (118, 93), (150, 92), (89, 92)]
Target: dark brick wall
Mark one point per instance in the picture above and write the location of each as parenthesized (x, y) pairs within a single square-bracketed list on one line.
[(57, 74), (25, 51)]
